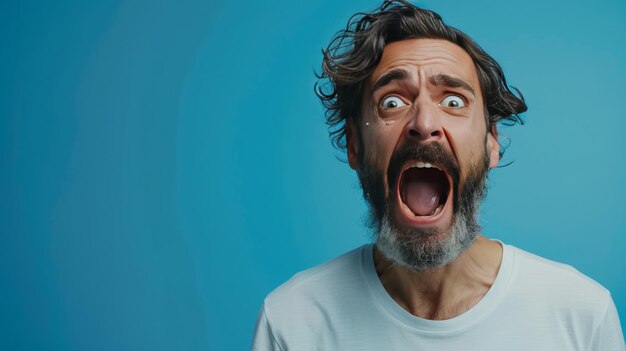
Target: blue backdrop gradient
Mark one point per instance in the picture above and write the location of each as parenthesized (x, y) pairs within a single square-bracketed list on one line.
[(164, 165)]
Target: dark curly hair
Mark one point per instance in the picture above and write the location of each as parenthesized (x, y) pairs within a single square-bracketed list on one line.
[(354, 52)]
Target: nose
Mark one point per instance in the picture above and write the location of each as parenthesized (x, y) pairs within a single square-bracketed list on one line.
[(424, 125)]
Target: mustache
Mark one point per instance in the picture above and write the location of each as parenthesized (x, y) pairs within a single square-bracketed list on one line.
[(433, 153)]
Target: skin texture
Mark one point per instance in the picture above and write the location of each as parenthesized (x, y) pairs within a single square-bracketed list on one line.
[(418, 108)]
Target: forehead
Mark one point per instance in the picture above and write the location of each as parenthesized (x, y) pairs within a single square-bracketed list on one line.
[(427, 57)]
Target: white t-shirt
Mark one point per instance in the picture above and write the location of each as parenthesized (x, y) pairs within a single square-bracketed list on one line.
[(534, 304)]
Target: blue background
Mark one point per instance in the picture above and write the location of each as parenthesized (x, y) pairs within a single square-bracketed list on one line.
[(164, 165)]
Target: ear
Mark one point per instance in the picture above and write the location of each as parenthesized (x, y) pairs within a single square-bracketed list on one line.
[(352, 146), (493, 147)]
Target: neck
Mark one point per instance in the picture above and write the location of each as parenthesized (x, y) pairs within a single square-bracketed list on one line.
[(444, 292)]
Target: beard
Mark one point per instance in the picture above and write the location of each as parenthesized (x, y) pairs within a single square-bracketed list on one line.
[(418, 249)]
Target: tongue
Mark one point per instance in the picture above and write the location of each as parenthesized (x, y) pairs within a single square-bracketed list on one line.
[(421, 196)]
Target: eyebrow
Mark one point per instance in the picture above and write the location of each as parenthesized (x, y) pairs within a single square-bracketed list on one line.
[(396, 74), (451, 82)]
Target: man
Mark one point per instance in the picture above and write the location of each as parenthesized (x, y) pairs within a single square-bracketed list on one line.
[(418, 103)]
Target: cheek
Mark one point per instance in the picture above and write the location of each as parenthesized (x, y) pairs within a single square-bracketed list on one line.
[(468, 144), (379, 141)]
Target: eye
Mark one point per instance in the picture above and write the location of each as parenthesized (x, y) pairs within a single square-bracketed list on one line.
[(391, 102), (452, 101)]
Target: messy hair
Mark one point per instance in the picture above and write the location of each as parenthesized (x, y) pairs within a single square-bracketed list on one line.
[(353, 54)]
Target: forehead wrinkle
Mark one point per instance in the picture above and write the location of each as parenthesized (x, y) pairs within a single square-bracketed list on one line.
[(423, 56), (400, 64), (413, 53)]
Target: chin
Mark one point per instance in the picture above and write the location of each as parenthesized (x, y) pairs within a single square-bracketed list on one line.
[(422, 247)]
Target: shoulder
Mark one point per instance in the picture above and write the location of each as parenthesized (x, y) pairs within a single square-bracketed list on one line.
[(553, 273), (309, 298), (558, 294), (558, 285), (319, 282)]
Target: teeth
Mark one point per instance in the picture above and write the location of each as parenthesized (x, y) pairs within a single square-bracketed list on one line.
[(424, 165), (437, 210)]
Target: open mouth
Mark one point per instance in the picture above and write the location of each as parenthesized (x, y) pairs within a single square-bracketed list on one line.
[(424, 189)]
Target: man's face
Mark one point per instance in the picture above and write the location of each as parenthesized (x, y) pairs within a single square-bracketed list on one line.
[(422, 151)]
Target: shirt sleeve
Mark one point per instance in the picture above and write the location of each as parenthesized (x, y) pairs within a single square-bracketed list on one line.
[(263, 337), (608, 335)]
